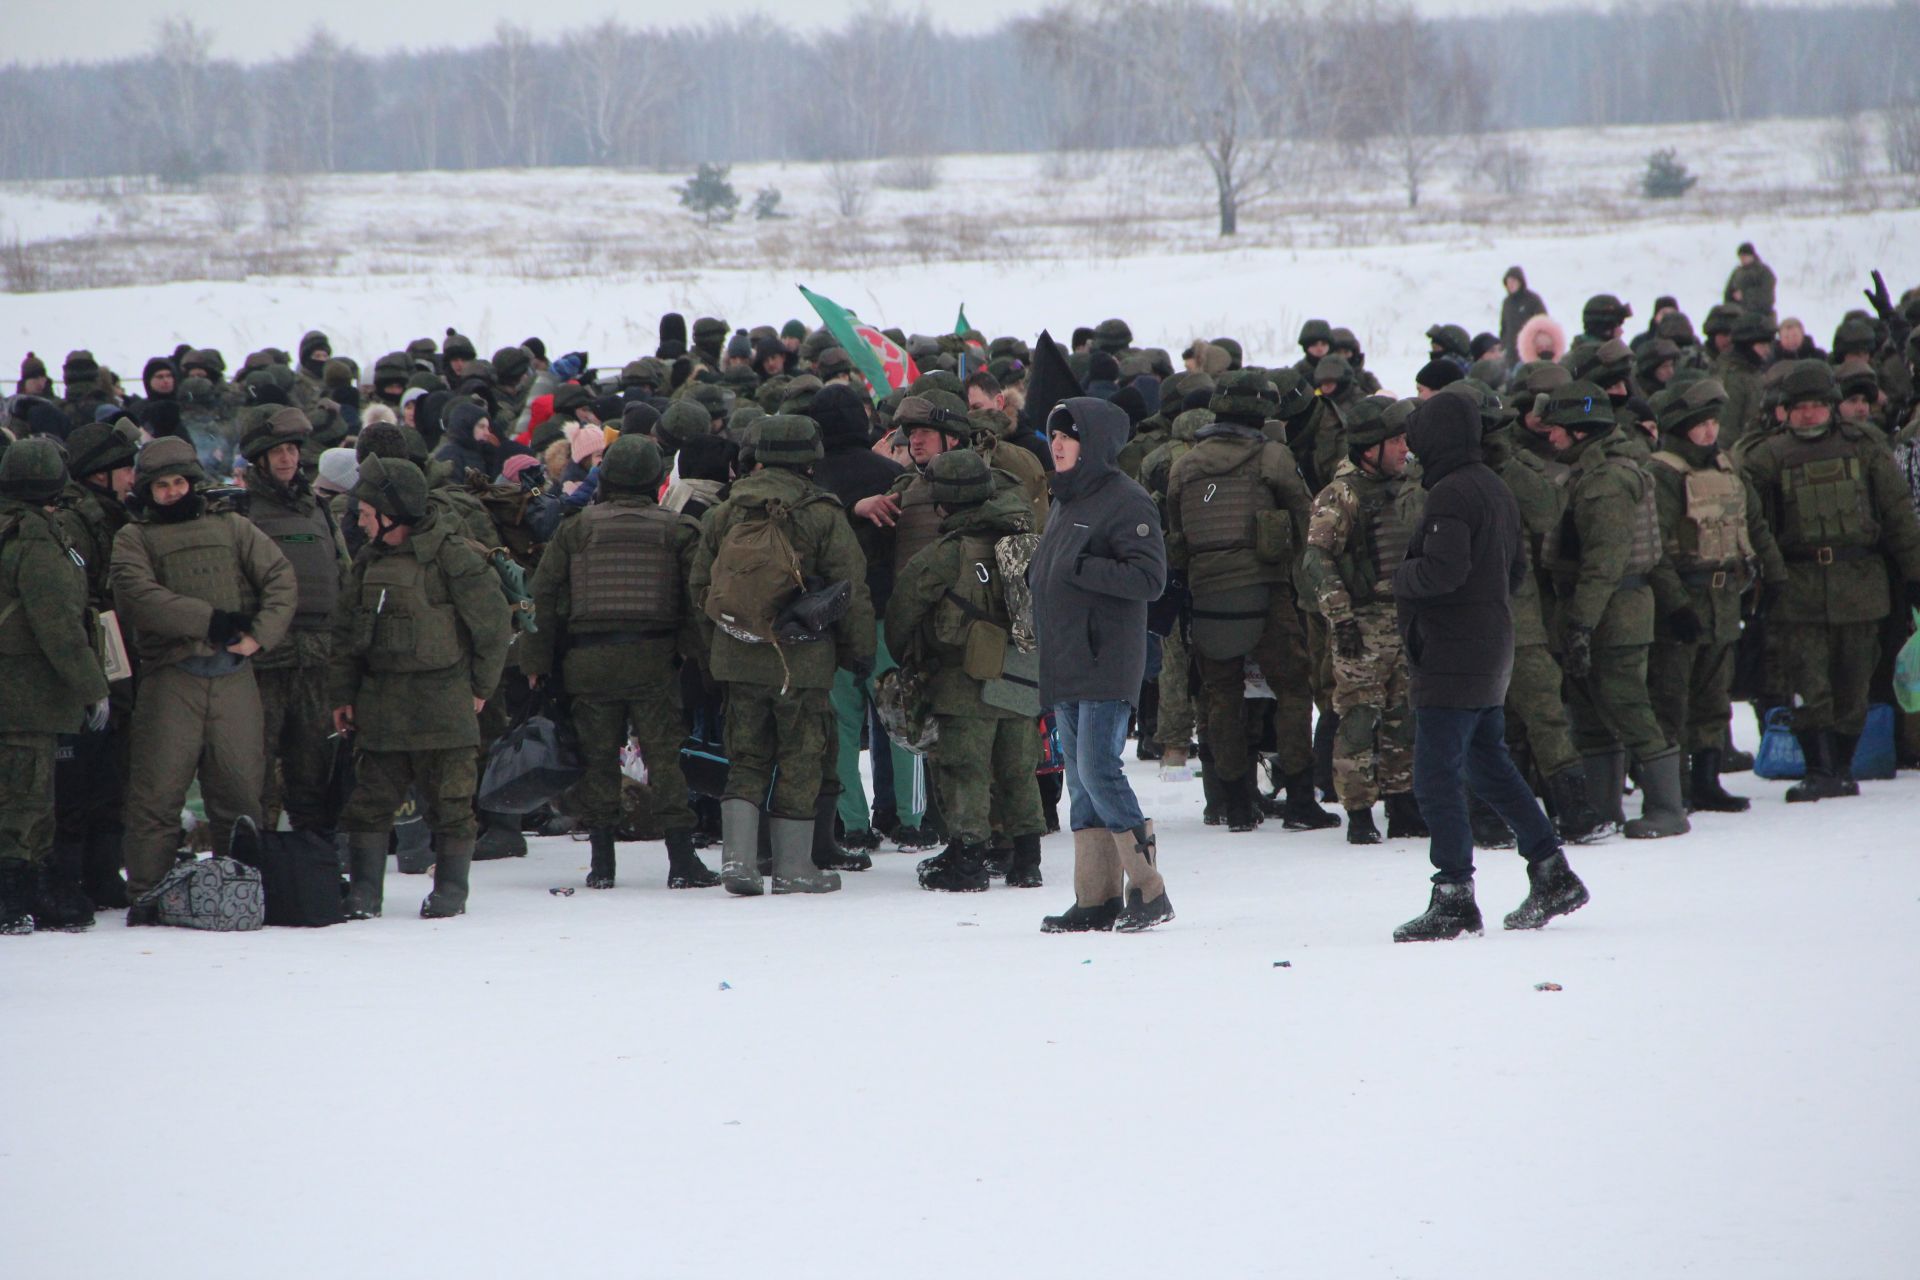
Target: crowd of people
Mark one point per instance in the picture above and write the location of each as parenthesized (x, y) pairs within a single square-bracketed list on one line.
[(731, 566)]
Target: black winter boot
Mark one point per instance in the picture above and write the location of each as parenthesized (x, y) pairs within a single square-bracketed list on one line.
[(685, 870), (959, 868), (827, 853), (1403, 817), (600, 869), (999, 857), (100, 870), (1242, 797), (866, 840), (1079, 919), (1706, 792), (59, 903), (1819, 782), (1360, 828), (1302, 812), (1140, 914), (1490, 830), (500, 837), (1574, 816), (1450, 912), (1024, 871), (1216, 796), (17, 877), (1552, 890), (1844, 745)]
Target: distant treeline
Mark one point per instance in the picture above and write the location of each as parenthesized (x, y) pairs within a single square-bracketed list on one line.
[(880, 85)]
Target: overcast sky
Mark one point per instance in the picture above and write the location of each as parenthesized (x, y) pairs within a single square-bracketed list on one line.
[(90, 30)]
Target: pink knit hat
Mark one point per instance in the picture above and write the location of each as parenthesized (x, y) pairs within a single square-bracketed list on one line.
[(588, 442), (514, 467)]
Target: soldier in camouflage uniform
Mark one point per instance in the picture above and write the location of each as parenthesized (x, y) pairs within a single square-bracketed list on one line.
[(1238, 513), (1177, 718), (293, 674), (778, 717), (1715, 537), (1602, 556), (1356, 538), (419, 639), (1739, 370), (983, 761), (1840, 513), (50, 681), (613, 583)]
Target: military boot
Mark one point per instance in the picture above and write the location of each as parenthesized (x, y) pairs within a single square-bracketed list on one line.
[(959, 868), (685, 870), (1706, 793), (1302, 812), (793, 867), (1844, 745), (1097, 886), (1552, 890), (366, 874), (412, 841), (1147, 901), (100, 867), (1822, 779), (1215, 812), (1450, 912), (999, 858), (1662, 812), (1574, 816), (1024, 871), (1360, 828), (600, 867), (1242, 800), (1490, 830), (1403, 817), (827, 853), (452, 867), (59, 903), (1605, 774), (740, 847), (500, 836), (16, 896)]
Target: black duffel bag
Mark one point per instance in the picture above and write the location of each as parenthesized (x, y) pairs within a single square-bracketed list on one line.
[(299, 874), (530, 765)]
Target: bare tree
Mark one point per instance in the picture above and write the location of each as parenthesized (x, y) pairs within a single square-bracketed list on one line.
[(1422, 97), (1722, 35), (318, 71), (614, 82), (507, 81)]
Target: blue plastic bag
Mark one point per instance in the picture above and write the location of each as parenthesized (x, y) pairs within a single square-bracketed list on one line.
[(1873, 758), (1779, 758)]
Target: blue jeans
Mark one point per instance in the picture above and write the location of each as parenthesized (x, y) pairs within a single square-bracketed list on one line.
[(1093, 736), (1456, 745)]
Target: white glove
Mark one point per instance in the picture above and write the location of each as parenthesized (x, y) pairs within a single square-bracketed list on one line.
[(97, 716)]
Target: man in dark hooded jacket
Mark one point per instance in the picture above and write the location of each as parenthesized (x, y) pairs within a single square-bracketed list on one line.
[(1462, 563), (1519, 306)]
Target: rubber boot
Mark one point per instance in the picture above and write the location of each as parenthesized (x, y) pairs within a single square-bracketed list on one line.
[(1147, 902), (685, 870), (1552, 890), (601, 867), (740, 847), (1574, 816), (499, 837), (793, 869), (1451, 911), (1706, 794), (1403, 817), (1844, 745), (59, 903), (1822, 779), (16, 896), (100, 867), (1360, 828), (1024, 871), (452, 866), (412, 845), (1324, 730), (1606, 775), (959, 868), (826, 851), (366, 874), (1662, 812), (1098, 885), (1302, 812), (1490, 830)]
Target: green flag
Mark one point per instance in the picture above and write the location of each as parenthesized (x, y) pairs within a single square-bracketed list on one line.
[(961, 325), (841, 325)]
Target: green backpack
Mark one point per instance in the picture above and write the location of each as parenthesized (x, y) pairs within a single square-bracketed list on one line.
[(756, 574)]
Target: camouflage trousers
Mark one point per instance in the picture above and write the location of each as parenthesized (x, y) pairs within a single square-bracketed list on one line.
[(1535, 702), (780, 748), (1373, 747), (186, 725), (636, 690), (298, 755), (1827, 669), (1690, 686), (982, 772), (1610, 707), (1175, 727), (1281, 655), (26, 796), (443, 779)]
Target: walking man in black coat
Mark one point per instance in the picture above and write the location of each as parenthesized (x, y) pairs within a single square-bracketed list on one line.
[(1462, 562)]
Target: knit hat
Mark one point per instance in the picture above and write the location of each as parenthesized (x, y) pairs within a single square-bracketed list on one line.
[(517, 466), (339, 470), (588, 442), (1436, 374), (793, 329)]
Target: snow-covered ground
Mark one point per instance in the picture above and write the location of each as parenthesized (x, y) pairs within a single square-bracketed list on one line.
[(893, 1083)]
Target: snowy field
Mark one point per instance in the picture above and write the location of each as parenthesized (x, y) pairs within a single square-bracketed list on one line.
[(892, 1083)]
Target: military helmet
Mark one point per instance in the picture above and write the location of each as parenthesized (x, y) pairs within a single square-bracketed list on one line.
[(422, 349), (740, 421), (944, 412), (1485, 402), (938, 380), (1856, 378), (1808, 381), (1580, 407), (684, 421), (1452, 339), (632, 463), (1677, 328), (1720, 319), (33, 470), (1752, 326), (1652, 355), (397, 366), (784, 439), (833, 362), (1112, 336), (1856, 336), (1295, 392), (1604, 311), (101, 446), (283, 426), (960, 477), (1394, 417), (1333, 368), (710, 331), (167, 456), (394, 487), (1680, 408), (1603, 364), (1367, 423), (1540, 377), (715, 399), (1315, 331), (648, 371), (1244, 396)]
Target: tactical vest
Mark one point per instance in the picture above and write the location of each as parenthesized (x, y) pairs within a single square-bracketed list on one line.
[(306, 540), (1825, 501), (1377, 544), (1563, 549), (197, 558), (918, 526), (627, 573), (403, 618), (1713, 533), (1218, 512)]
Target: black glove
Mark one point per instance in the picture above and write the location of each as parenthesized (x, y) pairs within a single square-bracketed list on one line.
[(858, 668), (1576, 653), (1685, 624), (1347, 640), (1882, 300), (223, 628), (1913, 594)]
